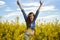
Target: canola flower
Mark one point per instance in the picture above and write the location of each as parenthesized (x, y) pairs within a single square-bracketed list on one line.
[(15, 31)]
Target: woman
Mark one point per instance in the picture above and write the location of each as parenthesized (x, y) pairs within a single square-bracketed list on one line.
[(30, 20)]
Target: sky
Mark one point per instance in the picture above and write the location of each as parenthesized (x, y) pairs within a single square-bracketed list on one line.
[(49, 11)]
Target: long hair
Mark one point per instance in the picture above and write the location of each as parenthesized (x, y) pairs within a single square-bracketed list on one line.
[(28, 18)]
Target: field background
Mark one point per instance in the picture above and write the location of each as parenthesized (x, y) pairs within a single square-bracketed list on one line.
[(15, 31)]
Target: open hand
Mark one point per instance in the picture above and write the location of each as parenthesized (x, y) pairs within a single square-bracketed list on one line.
[(40, 3)]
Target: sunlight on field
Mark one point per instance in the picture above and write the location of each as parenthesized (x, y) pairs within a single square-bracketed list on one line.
[(15, 31)]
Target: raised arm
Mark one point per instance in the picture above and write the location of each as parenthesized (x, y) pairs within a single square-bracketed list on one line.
[(19, 5), (40, 5), (37, 12), (25, 17)]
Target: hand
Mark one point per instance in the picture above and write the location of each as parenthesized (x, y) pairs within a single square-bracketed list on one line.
[(40, 3), (19, 5), (18, 2)]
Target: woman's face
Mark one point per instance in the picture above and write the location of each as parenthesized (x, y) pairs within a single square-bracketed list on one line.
[(31, 17)]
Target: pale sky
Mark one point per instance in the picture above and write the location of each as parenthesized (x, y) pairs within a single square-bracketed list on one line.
[(50, 9)]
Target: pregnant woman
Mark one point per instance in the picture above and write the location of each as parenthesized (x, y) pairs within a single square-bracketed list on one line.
[(30, 20)]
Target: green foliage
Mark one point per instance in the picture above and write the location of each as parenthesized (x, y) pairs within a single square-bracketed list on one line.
[(15, 31)]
